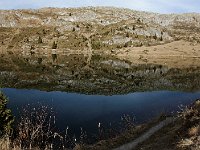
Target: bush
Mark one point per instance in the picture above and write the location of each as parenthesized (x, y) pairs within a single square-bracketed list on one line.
[(54, 46), (40, 40), (127, 44), (133, 27), (155, 37), (96, 45), (35, 128), (54, 57), (6, 118), (127, 34)]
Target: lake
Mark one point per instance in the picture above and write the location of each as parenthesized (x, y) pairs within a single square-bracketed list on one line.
[(79, 110), (84, 91)]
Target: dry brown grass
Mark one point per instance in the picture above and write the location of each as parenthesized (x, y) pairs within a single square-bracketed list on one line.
[(182, 134), (177, 54), (4, 143), (193, 131), (190, 130), (36, 130)]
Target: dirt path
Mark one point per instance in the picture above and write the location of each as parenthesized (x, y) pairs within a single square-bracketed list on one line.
[(146, 135)]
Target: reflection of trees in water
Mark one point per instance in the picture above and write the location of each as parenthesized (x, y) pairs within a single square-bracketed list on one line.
[(89, 49), (92, 72), (89, 52)]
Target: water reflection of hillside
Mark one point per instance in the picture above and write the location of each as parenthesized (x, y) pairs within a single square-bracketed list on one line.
[(99, 74)]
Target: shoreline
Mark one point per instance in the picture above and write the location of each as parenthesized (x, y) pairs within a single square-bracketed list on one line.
[(173, 136)]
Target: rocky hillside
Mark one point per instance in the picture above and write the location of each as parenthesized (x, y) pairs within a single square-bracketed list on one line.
[(108, 28)]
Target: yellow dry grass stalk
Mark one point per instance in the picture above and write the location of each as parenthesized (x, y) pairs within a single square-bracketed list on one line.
[(4, 143)]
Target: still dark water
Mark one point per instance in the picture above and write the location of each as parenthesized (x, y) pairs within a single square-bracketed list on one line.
[(86, 111)]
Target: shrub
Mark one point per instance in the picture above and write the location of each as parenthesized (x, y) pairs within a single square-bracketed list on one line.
[(54, 46), (40, 60), (155, 37), (54, 57), (161, 38), (40, 40), (6, 118), (127, 44), (127, 34), (96, 45), (35, 128), (133, 27)]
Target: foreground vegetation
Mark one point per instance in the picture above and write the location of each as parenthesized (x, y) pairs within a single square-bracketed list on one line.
[(6, 118), (36, 130), (182, 134), (6, 121), (190, 130)]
